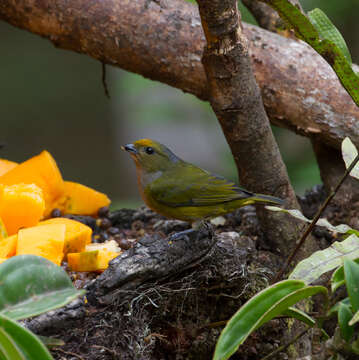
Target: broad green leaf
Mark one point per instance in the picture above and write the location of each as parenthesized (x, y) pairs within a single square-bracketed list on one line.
[(337, 279), (261, 308), (8, 348), (342, 228), (351, 274), (290, 300), (31, 285), (320, 262), (344, 316), (327, 30), (349, 153), (29, 345)]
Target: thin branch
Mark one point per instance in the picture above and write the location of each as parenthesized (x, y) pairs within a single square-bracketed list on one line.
[(283, 347), (310, 227)]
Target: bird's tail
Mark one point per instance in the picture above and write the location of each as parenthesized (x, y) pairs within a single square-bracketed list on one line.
[(260, 198)]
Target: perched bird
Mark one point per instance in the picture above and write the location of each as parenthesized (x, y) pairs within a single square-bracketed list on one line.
[(179, 190)]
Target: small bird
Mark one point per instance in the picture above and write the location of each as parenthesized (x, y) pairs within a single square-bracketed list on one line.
[(179, 190)]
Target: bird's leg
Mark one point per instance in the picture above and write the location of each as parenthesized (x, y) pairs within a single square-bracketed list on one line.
[(179, 234), (197, 226)]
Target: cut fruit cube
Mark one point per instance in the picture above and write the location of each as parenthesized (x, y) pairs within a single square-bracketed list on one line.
[(6, 165), (96, 260), (77, 235), (8, 246), (21, 205), (46, 241), (79, 199), (110, 245), (42, 171)]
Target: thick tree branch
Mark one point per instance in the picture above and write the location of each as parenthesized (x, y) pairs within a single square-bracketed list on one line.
[(163, 41)]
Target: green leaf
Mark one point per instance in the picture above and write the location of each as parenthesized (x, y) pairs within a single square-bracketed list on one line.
[(351, 274), (342, 228), (327, 30), (320, 262), (337, 279), (8, 348), (299, 315), (349, 153), (344, 316), (261, 308), (29, 345), (31, 285)]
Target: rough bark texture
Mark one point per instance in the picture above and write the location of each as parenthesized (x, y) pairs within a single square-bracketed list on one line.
[(163, 40)]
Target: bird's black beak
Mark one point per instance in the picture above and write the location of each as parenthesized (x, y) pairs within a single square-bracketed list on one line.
[(130, 148)]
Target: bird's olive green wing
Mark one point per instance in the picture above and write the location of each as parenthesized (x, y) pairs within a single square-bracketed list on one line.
[(192, 186)]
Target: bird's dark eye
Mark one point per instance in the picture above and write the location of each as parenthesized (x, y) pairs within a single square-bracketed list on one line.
[(149, 150)]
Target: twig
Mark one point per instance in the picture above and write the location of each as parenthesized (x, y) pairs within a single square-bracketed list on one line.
[(69, 353), (283, 347), (213, 325), (104, 81), (314, 221)]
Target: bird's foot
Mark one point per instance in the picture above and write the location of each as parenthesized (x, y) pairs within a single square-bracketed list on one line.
[(180, 234)]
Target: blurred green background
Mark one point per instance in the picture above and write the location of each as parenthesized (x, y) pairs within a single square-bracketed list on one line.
[(54, 99)]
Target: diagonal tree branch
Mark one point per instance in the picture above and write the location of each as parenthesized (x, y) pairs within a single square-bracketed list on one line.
[(163, 40)]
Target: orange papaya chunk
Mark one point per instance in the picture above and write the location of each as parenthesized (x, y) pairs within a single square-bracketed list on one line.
[(104, 257), (8, 246), (6, 165), (79, 199), (42, 171), (21, 205), (77, 235), (46, 241), (96, 260)]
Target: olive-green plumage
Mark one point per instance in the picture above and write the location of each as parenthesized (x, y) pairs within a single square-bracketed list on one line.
[(180, 190)]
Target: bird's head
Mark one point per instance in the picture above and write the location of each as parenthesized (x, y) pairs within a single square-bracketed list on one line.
[(150, 155)]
